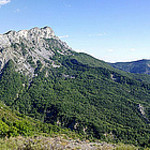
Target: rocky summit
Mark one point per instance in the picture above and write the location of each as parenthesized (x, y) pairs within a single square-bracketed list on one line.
[(25, 47)]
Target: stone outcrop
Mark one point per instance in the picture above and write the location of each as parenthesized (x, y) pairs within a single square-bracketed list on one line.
[(25, 47)]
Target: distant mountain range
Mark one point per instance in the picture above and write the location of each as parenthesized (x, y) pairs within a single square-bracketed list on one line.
[(43, 78), (140, 66)]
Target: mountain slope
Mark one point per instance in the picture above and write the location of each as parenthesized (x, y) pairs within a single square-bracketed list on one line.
[(73, 90), (91, 61), (82, 98), (140, 66), (12, 123)]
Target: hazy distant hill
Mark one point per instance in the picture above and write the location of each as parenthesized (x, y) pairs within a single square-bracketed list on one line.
[(140, 66)]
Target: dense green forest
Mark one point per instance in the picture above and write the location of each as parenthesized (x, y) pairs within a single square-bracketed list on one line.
[(92, 100), (13, 123)]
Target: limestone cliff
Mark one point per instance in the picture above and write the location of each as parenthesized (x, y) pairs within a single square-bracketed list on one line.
[(25, 47)]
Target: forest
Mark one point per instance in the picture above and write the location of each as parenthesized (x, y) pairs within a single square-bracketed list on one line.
[(93, 101)]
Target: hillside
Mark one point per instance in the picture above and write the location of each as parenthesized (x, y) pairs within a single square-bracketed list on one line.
[(140, 66), (27, 133), (43, 78), (12, 123), (93, 62)]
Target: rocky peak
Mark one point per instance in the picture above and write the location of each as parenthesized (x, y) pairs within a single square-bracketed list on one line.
[(33, 34), (26, 47), (45, 32)]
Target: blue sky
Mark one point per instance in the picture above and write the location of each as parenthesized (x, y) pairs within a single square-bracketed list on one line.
[(110, 30)]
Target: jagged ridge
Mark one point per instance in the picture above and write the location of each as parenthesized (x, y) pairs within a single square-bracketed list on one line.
[(25, 47)]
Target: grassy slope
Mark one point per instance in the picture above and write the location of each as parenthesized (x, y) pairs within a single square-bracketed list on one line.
[(13, 124), (40, 140)]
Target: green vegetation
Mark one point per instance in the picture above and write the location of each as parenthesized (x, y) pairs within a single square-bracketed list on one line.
[(85, 101), (91, 61), (95, 101), (13, 124), (140, 66), (71, 98)]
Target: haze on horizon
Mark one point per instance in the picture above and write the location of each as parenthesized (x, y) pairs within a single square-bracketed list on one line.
[(112, 30)]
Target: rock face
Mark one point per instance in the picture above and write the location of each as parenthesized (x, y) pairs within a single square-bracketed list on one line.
[(25, 47), (34, 34)]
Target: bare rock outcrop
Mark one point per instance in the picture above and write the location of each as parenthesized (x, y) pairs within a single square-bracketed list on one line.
[(25, 47)]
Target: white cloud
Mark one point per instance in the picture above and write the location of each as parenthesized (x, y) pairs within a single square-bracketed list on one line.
[(110, 50), (4, 2), (63, 36), (132, 49)]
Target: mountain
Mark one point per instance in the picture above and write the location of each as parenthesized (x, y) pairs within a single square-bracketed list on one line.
[(43, 78), (25, 47), (91, 61), (140, 66)]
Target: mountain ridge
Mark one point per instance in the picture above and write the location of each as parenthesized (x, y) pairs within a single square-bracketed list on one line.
[(25, 47), (139, 66)]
